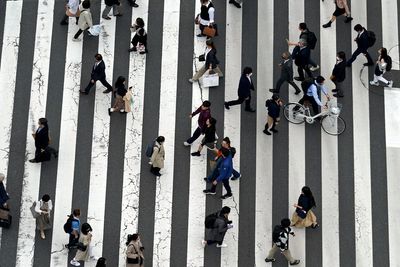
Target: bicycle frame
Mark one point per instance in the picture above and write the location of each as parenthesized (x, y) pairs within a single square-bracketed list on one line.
[(311, 119)]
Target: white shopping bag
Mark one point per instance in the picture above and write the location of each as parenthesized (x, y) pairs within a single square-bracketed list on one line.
[(95, 30), (209, 80)]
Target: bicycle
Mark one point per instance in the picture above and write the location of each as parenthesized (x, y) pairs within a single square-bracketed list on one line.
[(331, 122)]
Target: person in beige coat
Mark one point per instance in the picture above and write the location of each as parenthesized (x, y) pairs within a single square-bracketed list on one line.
[(85, 19), (158, 156), (83, 252), (134, 251)]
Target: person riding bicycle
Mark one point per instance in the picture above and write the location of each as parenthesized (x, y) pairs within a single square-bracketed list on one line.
[(311, 93)]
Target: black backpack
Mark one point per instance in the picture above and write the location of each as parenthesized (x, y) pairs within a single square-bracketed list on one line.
[(306, 84), (276, 233), (149, 149), (371, 38), (233, 151), (68, 224), (210, 220), (388, 61), (311, 40), (268, 102)]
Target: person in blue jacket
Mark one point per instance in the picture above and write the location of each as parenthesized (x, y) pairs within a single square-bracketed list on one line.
[(225, 168)]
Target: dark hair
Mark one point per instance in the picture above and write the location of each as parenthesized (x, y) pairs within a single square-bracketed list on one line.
[(303, 26), (225, 210), (225, 152), (275, 97), (45, 197), (86, 4), (247, 70), (307, 192), (210, 43), (320, 79), (131, 238), (101, 262), (206, 104), (140, 22), (212, 121), (160, 139), (98, 56), (384, 53), (227, 140), (86, 228), (342, 55), (120, 81), (358, 27), (285, 222), (43, 121), (76, 212)]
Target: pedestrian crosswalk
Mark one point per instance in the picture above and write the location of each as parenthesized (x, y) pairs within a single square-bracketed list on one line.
[(102, 169)]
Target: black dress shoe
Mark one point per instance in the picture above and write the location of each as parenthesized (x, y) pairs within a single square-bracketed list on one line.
[(298, 79), (226, 105), (83, 92), (297, 92), (107, 91), (133, 4), (64, 22), (109, 111), (266, 132), (118, 15), (335, 90), (250, 110), (274, 131), (273, 90), (338, 95), (368, 64), (33, 161)]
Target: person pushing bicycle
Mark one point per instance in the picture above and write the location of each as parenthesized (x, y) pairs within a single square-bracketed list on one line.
[(311, 88)]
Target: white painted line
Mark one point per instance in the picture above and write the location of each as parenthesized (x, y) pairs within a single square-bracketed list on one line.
[(390, 33), (8, 72), (133, 142), (168, 87), (198, 170), (101, 132), (233, 70), (263, 222), (37, 109), (362, 168), (329, 154), (392, 107), (67, 147)]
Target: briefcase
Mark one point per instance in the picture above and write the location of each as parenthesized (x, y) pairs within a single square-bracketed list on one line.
[(5, 218)]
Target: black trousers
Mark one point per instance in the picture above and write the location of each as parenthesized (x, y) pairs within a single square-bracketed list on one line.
[(314, 104), (155, 170), (239, 101), (301, 69), (281, 81), (103, 82), (356, 53), (73, 242), (210, 242), (195, 135), (139, 39), (338, 86), (226, 185)]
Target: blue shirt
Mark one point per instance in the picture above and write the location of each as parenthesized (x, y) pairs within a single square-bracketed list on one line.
[(313, 91), (75, 224)]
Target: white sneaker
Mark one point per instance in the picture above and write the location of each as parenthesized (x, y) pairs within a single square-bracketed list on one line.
[(314, 68), (223, 245), (390, 84), (374, 83), (75, 263), (186, 143), (76, 39), (203, 243)]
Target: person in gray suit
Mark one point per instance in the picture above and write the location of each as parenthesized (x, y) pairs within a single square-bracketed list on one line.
[(286, 74)]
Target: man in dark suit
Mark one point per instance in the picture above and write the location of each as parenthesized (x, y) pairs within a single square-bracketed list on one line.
[(42, 140), (245, 85), (301, 55), (98, 74), (362, 46), (339, 74), (286, 74)]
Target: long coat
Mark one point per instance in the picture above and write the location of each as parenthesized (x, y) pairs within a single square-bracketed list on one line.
[(84, 255), (220, 227), (133, 251), (158, 156)]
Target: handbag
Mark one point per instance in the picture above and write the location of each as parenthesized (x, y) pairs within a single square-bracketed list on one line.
[(81, 246), (301, 213), (133, 260), (202, 58), (35, 214), (95, 30), (209, 31), (209, 80)]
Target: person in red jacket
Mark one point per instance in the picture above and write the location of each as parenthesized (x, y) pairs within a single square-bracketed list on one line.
[(204, 114)]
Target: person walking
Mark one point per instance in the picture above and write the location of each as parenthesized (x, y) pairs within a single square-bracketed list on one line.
[(224, 173), (84, 250), (85, 19), (101, 262), (244, 94), (115, 5), (383, 64), (71, 10), (98, 74), (140, 37), (43, 151), (286, 74), (274, 107), (72, 227), (362, 46), (206, 16), (303, 215), (339, 74), (119, 103), (134, 251), (204, 113), (235, 3), (4, 197), (220, 226), (280, 238), (301, 56), (341, 9), (211, 62), (158, 156), (312, 94), (210, 136), (43, 208)]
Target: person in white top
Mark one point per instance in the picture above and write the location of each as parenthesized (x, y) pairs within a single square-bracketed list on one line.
[(206, 16), (85, 19), (383, 64), (43, 209), (71, 10)]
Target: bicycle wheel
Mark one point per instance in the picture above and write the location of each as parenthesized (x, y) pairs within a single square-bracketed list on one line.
[(294, 112), (333, 125)]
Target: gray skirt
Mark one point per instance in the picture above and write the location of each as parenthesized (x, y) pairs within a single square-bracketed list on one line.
[(43, 222)]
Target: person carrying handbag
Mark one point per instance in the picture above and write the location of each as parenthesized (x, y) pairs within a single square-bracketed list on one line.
[(303, 216), (41, 212), (211, 62), (84, 250), (134, 251)]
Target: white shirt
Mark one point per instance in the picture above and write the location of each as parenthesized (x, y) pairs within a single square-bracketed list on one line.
[(73, 6), (211, 11)]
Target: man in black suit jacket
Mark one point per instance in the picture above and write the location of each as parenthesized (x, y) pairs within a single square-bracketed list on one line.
[(98, 74), (245, 85), (286, 74), (362, 46), (42, 140), (339, 74)]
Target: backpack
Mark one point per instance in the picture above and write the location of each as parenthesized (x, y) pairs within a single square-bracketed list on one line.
[(371, 38), (311, 40), (233, 151), (68, 224), (276, 233), (388, 63), (149, 149), (210, 220), (306, 84)]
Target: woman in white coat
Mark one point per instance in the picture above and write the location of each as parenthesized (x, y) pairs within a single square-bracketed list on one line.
[(85, 19)]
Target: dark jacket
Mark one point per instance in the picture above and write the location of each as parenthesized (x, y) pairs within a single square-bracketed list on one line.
[(42, 138), (245, 86), (287, 70), (339, 71), (112, 2), (362, 41), (3, 194), (203, 117), (98, 73), (301, 56), (121, 90), (305, 202), (273, 109), (217, 233), (211, 59), (209, 133)]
